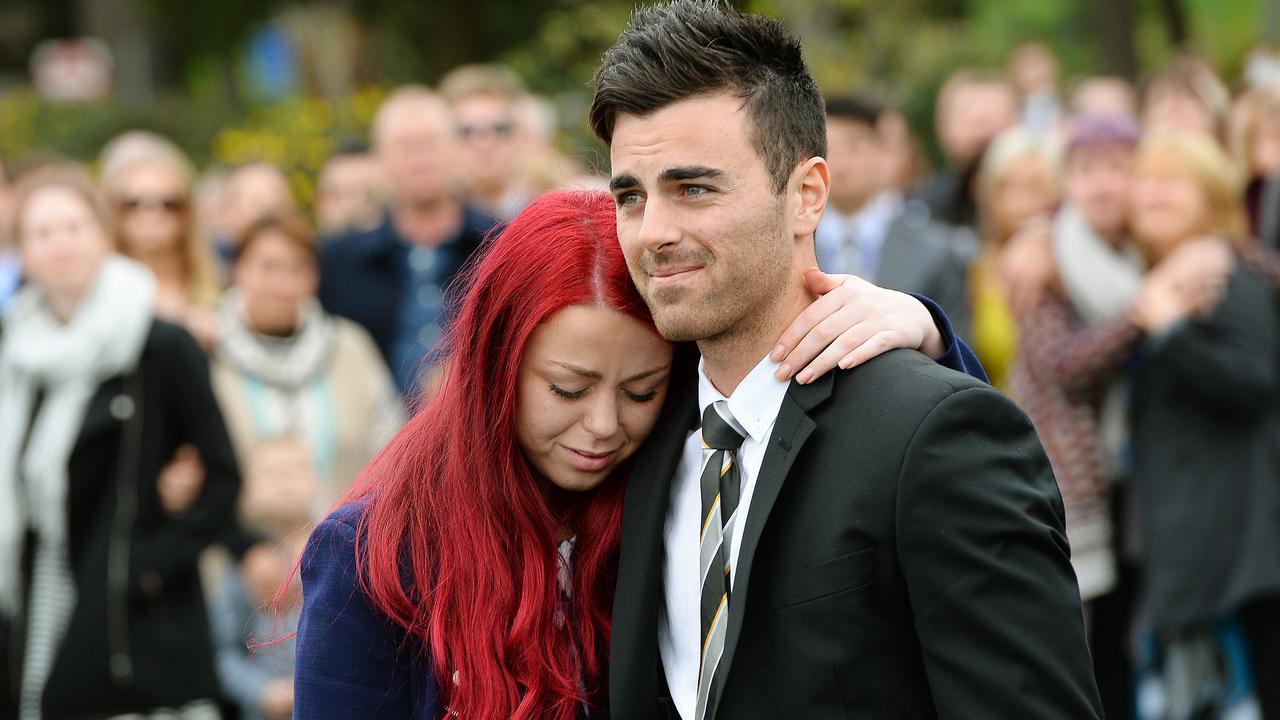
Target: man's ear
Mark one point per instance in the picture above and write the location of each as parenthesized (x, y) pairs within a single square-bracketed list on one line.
[(812, 183)]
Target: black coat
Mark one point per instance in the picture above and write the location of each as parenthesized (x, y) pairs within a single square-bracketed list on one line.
[(1206, 432), (138, 638), (904, 557)]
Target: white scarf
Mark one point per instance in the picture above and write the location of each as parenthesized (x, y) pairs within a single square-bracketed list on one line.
[(68, 361), (291, 363), (1101, 282)]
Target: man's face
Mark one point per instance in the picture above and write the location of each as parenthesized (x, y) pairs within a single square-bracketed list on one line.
[(417, 147), (972, 116), (1097, 182), (856, 155), (706, 239), (487, 134)]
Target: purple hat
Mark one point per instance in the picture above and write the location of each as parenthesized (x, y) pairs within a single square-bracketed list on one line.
[(1094, 130)]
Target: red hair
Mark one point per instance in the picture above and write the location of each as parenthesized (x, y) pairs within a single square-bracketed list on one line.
[(457, 542)]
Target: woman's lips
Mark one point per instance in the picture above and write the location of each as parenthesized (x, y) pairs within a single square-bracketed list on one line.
[(589, 462)]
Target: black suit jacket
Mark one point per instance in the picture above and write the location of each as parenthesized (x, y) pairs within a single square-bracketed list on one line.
[(904, 557)]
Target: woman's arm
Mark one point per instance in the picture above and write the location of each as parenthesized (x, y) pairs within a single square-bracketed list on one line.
[(853, 321), (353, 663), (181, 373)]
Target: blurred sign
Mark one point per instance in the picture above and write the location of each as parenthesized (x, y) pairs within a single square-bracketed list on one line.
[(72, 71)]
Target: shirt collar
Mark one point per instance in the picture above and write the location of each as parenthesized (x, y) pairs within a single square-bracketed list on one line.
[(754, 403)]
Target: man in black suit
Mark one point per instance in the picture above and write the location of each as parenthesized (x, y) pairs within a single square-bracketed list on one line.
[(885, 542)]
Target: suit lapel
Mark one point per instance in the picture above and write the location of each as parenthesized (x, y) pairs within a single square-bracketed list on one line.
[(902, 261), (634, 653), (790, 432)]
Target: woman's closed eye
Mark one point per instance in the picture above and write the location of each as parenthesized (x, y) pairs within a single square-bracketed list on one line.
[(567, 394)]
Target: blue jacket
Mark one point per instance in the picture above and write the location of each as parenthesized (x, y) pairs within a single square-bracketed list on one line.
[(355, 664)]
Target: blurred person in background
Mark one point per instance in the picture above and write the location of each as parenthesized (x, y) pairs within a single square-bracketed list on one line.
[(101, 607), (1018, 191), (252, 191), (905, 161), (1074, 343), (10, 265), (1205, 418), (1033, 71), (155, 225), (1188, 97), (972, 108), (868, 229), (251, 613), (127, 148), (1258, 152), (1104, 96), (350, 193), (285, 367), (391, 280), (486, 103)]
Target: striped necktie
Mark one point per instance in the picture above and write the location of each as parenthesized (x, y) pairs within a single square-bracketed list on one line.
[(720, 487)]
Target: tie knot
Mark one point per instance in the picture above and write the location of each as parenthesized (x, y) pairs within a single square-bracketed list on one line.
[(717, 433)]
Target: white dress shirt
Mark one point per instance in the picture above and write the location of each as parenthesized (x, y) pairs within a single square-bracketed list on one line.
[(754, 406)]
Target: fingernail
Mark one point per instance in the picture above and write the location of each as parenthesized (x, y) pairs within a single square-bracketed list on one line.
[(777, 353), (804, 377), (844, 364), (784, 372)]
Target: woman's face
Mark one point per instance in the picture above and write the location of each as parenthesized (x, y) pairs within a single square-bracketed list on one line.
[(275, 277), (63, 242), (153, 210), (1026, 192), (591, 385), (1169, 207)]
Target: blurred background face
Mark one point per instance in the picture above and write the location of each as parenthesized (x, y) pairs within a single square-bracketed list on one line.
[(63, 242), (1106, 97), (487, 139), (1027, 191), (349, 193), (1034, 69), (252, 193), (280, 485), (153, 205), (1097, 181), (856, 156), (275, 277), (972, 116), (416, 143), (1170, 108), (1169, 207)]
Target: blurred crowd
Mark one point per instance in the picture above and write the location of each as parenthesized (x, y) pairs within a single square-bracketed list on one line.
[(193, 367)]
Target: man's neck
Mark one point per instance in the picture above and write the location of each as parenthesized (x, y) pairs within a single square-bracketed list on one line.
[(730, 357), (428, 222)]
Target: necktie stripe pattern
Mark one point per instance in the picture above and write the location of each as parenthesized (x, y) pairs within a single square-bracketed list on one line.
[(720, 487)]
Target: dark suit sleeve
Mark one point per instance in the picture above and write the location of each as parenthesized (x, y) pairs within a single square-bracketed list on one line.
[(352, 662), (958, 356), (984, 553), (174, 546), (1227, 362)]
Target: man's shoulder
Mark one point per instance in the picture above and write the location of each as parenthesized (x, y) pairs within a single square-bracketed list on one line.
[(902, 382)]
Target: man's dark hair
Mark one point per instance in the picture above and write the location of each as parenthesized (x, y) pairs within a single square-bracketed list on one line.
[(854, 108), (690, 48)]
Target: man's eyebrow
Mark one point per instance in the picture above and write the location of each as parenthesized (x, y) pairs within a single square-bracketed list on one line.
[(691, 172), (622, 182)]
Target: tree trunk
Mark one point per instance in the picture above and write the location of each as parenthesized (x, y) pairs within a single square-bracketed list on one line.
[(1111, 22), (1175, 20)]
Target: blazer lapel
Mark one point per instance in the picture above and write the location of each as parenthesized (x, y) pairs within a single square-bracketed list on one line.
[(790, 432), (634, 652)]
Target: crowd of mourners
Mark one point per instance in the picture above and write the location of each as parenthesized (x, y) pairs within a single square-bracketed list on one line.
[(194, 368)]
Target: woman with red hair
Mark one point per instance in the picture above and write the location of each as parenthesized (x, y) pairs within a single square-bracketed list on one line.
[(471, 572)]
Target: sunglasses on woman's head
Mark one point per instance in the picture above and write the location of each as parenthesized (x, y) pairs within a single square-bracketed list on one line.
[(167, 204)]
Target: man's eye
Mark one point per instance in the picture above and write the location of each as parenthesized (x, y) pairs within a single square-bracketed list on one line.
[(627, 198), (567, 394), (696, 190)]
